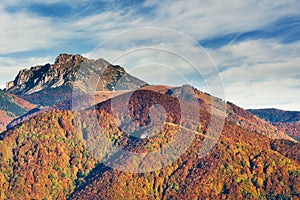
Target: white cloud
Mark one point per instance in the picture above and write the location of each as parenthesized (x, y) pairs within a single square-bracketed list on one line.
[(267, 94), (251, 70), (26, 2), (261, 73), (23, 32), (202, 19), (173, 58)]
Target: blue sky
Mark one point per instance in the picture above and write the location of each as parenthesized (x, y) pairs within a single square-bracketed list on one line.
[(255, 44)]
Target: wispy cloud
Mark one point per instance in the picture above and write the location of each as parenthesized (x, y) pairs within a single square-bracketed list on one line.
[(261, 73), (22, 32), (254, 43)]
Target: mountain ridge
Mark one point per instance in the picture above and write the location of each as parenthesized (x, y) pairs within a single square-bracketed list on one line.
[(48, 84), (12, 107), (287, 121), (276, 115)]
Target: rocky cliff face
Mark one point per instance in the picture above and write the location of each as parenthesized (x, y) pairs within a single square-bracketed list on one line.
[(47, 76), (38, 82), (65, 70)]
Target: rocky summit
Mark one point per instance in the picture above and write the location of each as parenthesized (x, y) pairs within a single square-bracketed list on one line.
[(56, 80)]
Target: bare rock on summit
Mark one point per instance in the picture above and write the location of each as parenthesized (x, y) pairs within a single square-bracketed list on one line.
[(55, 81)]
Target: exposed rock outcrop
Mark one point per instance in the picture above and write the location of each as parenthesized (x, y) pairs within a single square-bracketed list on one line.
[(57, 80)]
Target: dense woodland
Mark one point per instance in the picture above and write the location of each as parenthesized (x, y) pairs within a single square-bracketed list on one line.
[(56, 155)]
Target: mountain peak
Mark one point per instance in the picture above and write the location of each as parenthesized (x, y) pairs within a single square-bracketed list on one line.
[(62, 75), (69, 58)]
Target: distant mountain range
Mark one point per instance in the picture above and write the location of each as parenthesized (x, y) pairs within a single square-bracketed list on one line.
[(52, 152), (12, 107), (287, 121), (275, 115)]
